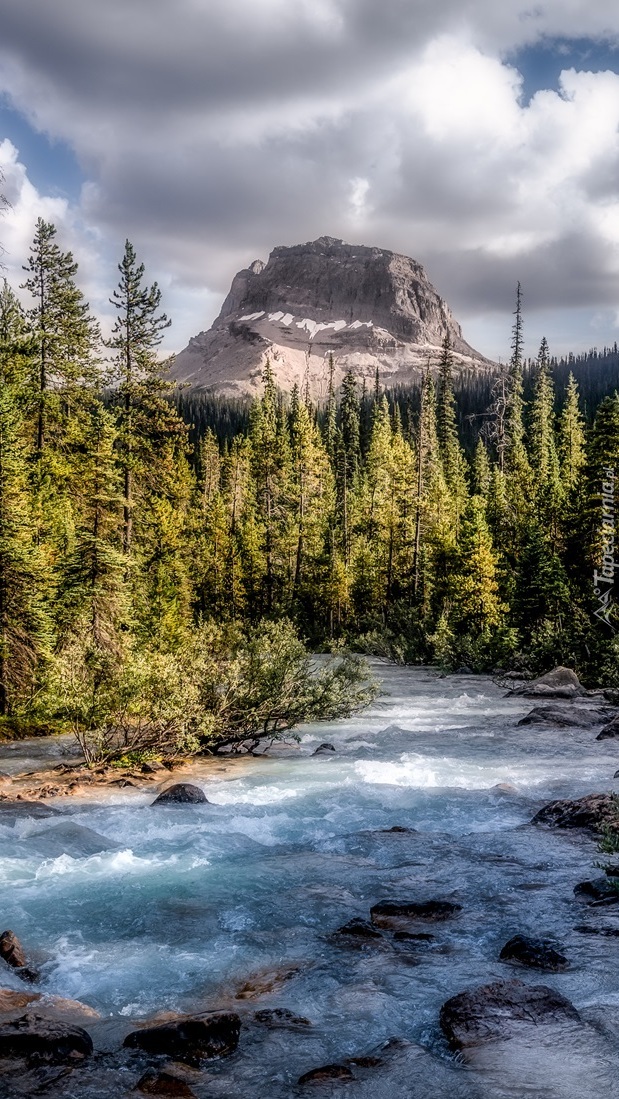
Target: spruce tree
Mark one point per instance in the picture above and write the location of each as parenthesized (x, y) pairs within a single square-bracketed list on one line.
[(452, 456), (543, 448), (66, 334), (25, 629), (571, 437), (144, 416)]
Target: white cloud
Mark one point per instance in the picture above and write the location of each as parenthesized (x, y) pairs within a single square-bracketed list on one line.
[(212, 130)]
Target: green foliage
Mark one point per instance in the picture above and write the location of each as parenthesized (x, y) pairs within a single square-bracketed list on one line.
[(121, 544), (223, 688)]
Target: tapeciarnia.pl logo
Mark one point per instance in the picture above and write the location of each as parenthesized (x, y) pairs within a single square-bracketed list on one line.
[(603, 581)]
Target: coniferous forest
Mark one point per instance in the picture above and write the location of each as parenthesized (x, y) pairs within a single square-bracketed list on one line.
[(167, 558)]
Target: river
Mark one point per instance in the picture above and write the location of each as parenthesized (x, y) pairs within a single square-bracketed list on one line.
[(141, 910)]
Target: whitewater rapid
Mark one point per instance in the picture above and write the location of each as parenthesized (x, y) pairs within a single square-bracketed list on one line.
[(139, 910)]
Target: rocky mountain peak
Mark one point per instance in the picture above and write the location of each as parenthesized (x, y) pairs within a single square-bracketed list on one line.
[(368, 307)]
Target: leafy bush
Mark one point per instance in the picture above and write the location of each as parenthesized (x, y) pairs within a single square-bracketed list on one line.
[(222, 689)]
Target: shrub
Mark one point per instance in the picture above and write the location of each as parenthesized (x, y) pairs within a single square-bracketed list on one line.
[(223, 689)]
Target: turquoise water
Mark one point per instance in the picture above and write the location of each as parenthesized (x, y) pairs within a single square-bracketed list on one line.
[(137, 909)]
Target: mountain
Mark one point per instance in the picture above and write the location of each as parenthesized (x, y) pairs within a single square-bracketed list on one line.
[(369, 307)]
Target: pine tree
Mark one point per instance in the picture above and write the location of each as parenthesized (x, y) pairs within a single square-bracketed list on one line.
[(519, 479), (146, 419), (454, 462), (476, 599), (543, 448), (331, 413), (571, 437), (66, 334), (92, 591), (25, 630)]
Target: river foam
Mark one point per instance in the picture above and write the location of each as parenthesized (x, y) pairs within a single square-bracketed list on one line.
[(138, 909)]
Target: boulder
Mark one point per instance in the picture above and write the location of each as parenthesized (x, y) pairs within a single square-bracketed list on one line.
[(593, 811), (398, 916), (12, 952), (323, 749), (164, 1082), (589, 929), (33, 1036), (559, 683), (610, 731), (182, 793), (326, 1073), (16, 807), (399, 829), (599, 889), (493, 1011), (535, 953), (266, 981), (191, 1039), (13, 1003), (280, 1018), (359, 929), (562, 717)]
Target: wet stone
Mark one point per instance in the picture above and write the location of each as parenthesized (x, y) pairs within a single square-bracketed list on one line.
[(182, 793), (535, 953), (12, 952), (164, 1082), (397, 916), (593, 811), (191, 1039), (280, 1018), (359, 929), (481, 1014), (33, 1036), (325, 1073), (599, 889)]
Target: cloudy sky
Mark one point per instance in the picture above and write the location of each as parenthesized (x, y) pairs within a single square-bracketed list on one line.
[(479, 137)]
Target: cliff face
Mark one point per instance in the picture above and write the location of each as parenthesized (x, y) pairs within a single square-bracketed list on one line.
[(368, 307)]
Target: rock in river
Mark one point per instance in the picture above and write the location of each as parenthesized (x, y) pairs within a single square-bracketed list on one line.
[(191, 1039), (164, 1082), (492, 1011), (559, 683), (13, 953), (34, 1036), (536, 953), (397, 917), (359, 929), (599, 889), (592, 811), (563, 717), (182, 793), (610, 731), (325, 1073)]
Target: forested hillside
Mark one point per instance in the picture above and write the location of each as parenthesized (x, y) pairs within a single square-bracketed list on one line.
[(122, 540)]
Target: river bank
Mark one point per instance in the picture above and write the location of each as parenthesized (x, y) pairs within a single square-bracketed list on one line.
[(235, 905)]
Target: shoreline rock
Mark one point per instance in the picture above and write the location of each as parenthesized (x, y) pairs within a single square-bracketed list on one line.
[(593, 812)]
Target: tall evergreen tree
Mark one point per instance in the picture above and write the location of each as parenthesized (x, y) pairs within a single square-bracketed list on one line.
[(144, 414), (543, 447), (454, 462), (66, 334), (25, 628)]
